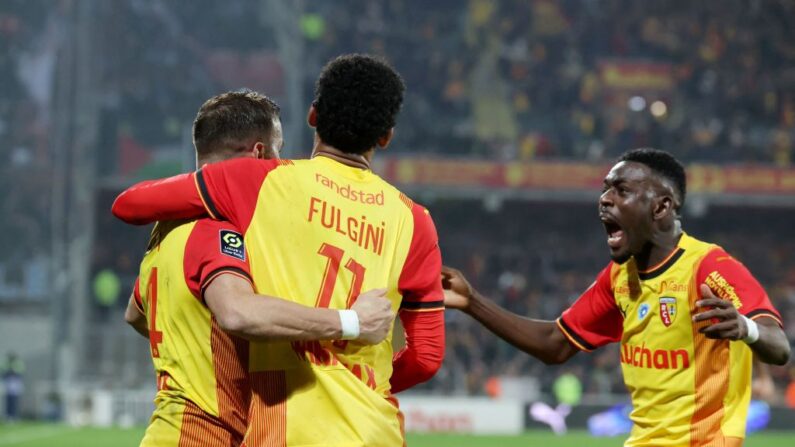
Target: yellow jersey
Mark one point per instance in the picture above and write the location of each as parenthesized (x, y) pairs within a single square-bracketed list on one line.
[(686, 389), (202, 373), (318, 233)]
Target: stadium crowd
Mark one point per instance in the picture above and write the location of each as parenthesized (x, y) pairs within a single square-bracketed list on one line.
[(519, 80), (27, 55), (511, 80)]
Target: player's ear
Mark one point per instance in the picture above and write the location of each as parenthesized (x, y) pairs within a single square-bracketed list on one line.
[(258, 150), (265, 152), (664, 205), (384, 141), (311, 117)]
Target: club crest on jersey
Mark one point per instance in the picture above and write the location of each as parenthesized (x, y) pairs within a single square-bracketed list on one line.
[(668, 310), (232, 244)]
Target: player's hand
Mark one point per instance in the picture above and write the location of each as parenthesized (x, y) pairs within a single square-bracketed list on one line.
[(375, 316), (457, 290), (726, 323)]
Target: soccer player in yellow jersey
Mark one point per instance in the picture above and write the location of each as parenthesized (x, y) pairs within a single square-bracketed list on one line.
[(689, 317), (318, 232), (195, 284)]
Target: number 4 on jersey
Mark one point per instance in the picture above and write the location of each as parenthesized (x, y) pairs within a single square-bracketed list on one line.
[(155, 336)]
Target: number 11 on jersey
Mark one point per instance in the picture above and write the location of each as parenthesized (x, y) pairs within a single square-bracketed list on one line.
[(335, 255)]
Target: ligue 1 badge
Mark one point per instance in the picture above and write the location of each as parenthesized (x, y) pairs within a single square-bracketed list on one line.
[(667, 310), (232, 244)]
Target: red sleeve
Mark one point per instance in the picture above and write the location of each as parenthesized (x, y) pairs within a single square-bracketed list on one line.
[(593, 320), (424, 351), (166, 199), (213, 248), (420, 281), (230, 188), (729, 279), (137, 296)]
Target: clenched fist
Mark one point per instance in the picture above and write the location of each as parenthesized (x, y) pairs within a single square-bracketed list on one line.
[(375, 316)]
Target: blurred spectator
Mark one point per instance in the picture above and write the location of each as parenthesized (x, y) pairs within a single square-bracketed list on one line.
[(107, 288), (568, 389), (13, 386), (790, 392)]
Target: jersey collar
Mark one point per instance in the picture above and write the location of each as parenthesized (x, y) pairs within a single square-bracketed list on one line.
[(666, 263)]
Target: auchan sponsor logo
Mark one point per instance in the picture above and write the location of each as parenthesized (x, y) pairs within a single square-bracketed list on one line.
[(643, 357)]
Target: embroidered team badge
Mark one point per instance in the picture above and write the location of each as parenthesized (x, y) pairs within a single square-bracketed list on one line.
[(232, 244), (668, 310)]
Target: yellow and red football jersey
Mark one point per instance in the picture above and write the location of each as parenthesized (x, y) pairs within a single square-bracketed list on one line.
[(202, 373), (686, 389), (318, 233)]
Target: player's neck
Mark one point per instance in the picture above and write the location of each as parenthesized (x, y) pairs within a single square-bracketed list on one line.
[(361, 161), (659, 249)]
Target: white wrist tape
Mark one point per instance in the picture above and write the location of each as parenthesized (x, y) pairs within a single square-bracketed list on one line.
[(349, 321), (753, 330)]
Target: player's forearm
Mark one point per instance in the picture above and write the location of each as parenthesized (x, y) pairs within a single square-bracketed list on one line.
[(166, 199), (772, 346), (136, 319), (239, 311), (262, 318), (539, 338)]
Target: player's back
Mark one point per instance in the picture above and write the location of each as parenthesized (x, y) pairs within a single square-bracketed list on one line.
[(202, 379), (321, 233)]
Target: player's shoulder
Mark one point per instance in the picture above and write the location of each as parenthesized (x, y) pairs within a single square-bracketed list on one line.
[(697, 247), (215, 235), (166, 233), (247, 165), (402, 200), (213, 226)]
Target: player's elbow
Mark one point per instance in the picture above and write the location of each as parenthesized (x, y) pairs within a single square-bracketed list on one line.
[(429, 361), (555, 359), (123, 208), (783, 355), (428, 368), (130, 316), (136, 320), (558, 352), (231, 320)]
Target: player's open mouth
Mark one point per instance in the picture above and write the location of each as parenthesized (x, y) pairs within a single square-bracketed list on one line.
[(615, 235)]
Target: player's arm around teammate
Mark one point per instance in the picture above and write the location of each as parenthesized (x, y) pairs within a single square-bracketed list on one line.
[(242, 312)]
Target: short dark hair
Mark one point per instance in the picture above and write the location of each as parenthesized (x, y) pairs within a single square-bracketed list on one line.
[(663, 164), (227, 122), (357, 100)]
